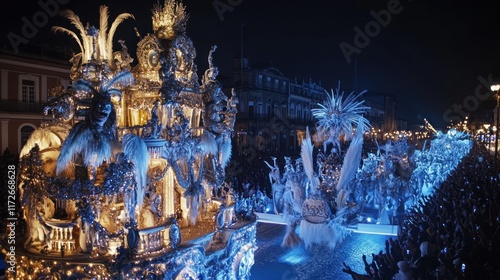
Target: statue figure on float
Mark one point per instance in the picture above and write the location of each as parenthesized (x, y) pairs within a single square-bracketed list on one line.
[(92, 144), (277, 187)]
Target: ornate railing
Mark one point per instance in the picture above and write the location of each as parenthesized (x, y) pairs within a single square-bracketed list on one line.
[(150, 239), (18, 106), (153, 239), (61, 236)]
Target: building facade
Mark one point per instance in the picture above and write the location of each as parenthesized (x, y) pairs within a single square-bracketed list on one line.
[(25, 84), (273, 110), (383, 112)]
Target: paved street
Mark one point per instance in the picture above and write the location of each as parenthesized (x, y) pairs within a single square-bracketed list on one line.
[(275, 263)]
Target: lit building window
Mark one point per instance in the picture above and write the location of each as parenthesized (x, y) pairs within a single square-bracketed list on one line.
[(28, 91)]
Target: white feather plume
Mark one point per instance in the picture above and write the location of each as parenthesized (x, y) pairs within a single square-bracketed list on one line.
[(207, 143), (103, 30), (121, 79), (46, 137), (337, 116), (225, 152), (351, 161), (104, 38), (69, 32), (306, 154), (320, 234), (193, 204), (81, 141), (86, 42), (109, 38), (136, 151)]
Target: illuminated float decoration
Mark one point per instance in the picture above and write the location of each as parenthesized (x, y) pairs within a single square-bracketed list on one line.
[(321, 200), (119, 185)]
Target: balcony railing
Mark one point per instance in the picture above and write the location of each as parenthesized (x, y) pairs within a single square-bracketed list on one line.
[(22, 107)]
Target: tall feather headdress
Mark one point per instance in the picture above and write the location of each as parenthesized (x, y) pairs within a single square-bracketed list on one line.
[(94, 43), (337, 116)]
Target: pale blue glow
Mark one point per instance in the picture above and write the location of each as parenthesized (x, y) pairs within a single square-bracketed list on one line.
[(294, 256)]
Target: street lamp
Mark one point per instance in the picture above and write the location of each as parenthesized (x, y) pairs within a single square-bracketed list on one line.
[(496, 88)]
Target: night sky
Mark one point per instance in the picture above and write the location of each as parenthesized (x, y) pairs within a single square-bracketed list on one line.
[(427, 54)]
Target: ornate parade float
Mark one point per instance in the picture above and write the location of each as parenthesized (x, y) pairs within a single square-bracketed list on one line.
[(336, 185), (119, 185), (312, 194)]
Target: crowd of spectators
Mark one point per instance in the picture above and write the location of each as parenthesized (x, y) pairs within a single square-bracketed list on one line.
[(454, 234)]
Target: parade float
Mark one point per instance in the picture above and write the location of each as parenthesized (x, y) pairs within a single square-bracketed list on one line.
[(334, 188), (119, 185)]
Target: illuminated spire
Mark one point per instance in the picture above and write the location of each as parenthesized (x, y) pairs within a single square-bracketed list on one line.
[(169, 19)]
